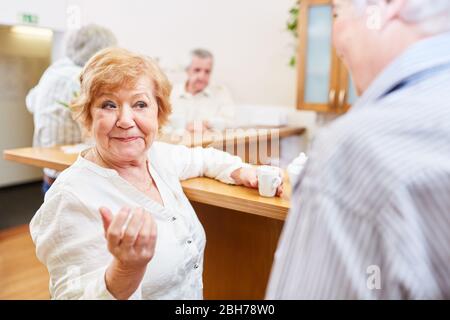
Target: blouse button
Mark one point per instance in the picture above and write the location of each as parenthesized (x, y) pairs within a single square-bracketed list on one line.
[(174, 218), (196, 266), (189, 241)]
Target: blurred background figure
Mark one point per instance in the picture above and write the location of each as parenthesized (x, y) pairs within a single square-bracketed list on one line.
[(370, 216), (198, 105), (48, 101)]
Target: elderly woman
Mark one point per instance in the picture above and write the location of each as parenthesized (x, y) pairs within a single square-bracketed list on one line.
[(151, 243)]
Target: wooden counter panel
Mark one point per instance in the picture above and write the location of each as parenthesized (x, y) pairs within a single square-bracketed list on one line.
[(239, 252)]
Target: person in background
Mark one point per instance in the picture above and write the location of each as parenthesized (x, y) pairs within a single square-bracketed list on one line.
[(370, 217), (49, 100), (199, 103)]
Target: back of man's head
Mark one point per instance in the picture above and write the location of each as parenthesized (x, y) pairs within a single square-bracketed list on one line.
[(370, 34)]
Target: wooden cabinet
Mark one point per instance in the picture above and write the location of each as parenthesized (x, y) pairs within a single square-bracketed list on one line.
[(323, 83)]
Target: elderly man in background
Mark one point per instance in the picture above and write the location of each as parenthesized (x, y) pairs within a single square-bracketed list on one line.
[(371, 214), (49, 100), (201, 106)]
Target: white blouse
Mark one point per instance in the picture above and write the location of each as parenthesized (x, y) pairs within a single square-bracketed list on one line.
[(69, 236)]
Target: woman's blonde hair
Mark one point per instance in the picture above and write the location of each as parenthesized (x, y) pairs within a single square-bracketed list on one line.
[(114, 68)]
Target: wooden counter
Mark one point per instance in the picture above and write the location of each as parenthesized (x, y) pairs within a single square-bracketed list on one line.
[(52, 157)]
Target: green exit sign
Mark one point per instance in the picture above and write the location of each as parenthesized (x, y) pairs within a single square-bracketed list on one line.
[(28, 18)]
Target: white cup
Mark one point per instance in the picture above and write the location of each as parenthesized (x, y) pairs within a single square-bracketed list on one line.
[(268, 180)]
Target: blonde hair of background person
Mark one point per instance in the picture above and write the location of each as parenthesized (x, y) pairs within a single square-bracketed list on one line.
[(116, 224)]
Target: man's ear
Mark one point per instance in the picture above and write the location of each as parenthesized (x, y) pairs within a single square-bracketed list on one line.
[(391, 10), (381, 14)]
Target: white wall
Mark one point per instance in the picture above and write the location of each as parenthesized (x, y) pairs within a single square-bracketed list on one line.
[(248, 38), (50, 13)]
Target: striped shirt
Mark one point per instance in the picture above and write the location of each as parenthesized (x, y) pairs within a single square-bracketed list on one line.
[(370, 217), (53, 123)]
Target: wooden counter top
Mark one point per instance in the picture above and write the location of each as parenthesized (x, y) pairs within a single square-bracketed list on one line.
[(239, 198), (52, 157)]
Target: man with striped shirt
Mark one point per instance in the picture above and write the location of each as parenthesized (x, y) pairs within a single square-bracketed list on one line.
[(370, 217)]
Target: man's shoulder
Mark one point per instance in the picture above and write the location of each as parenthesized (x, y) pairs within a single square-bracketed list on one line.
[(374, 148), (381, 133), (350, 130), (218, 89)]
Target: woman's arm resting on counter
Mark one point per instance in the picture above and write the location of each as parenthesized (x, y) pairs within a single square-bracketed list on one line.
[(198, 162), (209, 162)]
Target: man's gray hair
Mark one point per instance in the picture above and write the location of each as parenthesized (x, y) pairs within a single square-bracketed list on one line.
[(199, 53), (83, 43), (432, 16)]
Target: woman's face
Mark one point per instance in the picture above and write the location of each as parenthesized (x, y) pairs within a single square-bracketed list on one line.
[(125, 122)]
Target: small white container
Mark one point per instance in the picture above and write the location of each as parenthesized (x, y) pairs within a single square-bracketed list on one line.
[(268, 180), (295, 168)]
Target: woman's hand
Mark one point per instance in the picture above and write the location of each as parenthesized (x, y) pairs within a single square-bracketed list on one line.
[(132, 244), (248, 177)]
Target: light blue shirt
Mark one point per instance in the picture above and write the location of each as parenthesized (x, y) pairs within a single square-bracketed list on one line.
[(371, 215)]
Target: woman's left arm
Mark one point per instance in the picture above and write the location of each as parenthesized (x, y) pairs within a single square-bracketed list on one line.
[(198, 162), (209, 162)]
